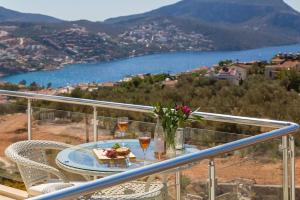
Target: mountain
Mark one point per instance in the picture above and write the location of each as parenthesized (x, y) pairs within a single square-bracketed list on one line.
[(272, 22), (7, 15), (228, 12), (40, 42)]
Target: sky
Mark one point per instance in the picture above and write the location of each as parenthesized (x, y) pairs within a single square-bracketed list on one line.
[(94, 10)]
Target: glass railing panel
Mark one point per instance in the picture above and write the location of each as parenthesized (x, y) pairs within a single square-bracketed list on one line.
[(107, 128), (13, 128), (61, 126), (194, 182), (254, 172), (77, 128), (204, 138)]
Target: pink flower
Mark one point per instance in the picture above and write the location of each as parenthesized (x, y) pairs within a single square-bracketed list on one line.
[(186, 110)]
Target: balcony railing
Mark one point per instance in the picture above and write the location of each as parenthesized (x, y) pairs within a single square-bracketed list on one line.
[(282, 129)]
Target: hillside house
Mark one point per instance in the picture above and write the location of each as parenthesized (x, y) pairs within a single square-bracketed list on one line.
[(242, 68), (272, 71), (236, 72), (230, 74), (170, 82), (108, 84)]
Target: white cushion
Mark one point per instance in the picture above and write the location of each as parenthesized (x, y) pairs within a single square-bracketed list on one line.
[(50, 187)]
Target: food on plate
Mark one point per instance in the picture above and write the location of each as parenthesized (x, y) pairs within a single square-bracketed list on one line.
[(116, 146), (116, 151), (111, 153), (123, 151)]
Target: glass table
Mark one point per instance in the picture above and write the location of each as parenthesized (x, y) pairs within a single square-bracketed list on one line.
[(82, 160)]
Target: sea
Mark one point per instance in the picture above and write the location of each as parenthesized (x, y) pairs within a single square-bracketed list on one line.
[(174, 62)]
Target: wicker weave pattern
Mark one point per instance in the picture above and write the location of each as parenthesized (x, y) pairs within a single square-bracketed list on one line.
[(132, 190), (56, 186), (31, 159)]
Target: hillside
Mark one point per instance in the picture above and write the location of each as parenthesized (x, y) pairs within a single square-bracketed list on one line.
[(7, 15), (272, 21), (31, 42), (223, 11)]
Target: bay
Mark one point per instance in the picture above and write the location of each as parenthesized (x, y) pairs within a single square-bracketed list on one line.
[(158, 63)]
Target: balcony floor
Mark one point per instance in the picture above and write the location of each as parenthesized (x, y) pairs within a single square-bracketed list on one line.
[(9, 193)]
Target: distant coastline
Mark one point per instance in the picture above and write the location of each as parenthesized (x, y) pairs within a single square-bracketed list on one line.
[(117, 69), (73, 62)]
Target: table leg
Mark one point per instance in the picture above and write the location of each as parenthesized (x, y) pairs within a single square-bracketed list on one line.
[(178, 185), (165, 182)]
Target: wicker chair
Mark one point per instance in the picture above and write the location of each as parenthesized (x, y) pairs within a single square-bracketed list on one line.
[(37, 174), (134, 190), (35, 171)]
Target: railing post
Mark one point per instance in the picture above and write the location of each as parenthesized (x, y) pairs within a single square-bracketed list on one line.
[(212, 179), (285, 178), (292, 167), (178, 185), (29, 120), (95, 125)]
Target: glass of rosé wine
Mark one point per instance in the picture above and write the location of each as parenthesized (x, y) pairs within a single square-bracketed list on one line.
[(144, 139), (123, 127)]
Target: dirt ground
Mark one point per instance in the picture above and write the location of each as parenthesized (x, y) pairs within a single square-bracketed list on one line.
[(13, 128), (231, 168)]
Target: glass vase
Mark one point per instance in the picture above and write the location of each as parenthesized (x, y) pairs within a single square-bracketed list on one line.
[(170, 143), (164, 141), (171, 151)]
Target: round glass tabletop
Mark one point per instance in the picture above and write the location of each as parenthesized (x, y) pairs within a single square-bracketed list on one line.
[(82, 157)]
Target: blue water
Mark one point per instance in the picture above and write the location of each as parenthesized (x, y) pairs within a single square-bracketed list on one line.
[(158, 63)]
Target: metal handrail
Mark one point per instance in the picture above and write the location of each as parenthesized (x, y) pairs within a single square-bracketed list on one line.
[(145, 109), (283, 130)]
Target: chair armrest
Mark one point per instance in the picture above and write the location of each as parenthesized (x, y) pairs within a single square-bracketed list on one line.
[(12, 152), (33, 164), (45, 144)]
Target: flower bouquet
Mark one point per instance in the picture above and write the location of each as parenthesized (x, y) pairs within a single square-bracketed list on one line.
[(172, 118)]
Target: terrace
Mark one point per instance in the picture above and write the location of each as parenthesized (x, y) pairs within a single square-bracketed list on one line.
[(222, 165)]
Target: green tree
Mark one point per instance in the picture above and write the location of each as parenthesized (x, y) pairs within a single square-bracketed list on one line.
[(290, 79), (225, 62), (34, 86), (49, 85), (22, 82)]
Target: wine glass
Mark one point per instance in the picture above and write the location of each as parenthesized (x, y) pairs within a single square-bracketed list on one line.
[(144, 139), (122, 126)]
